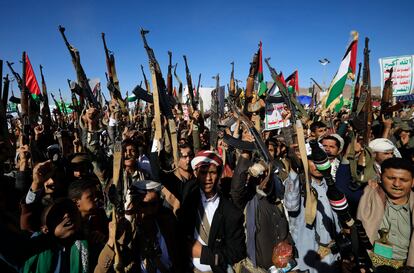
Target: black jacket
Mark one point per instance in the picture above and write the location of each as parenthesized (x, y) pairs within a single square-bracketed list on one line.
[(226, 242), (266, 222)]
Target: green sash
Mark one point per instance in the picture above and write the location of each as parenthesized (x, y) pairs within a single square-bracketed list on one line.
[(44, 261)]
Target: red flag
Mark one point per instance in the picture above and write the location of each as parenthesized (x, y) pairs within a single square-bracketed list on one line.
[(282, 78), (293, 81), (31, 82)]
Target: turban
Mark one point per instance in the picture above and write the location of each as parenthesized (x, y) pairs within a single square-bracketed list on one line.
[(203, 158), (383, 145)]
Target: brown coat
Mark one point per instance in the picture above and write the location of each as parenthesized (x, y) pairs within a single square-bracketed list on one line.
[(371, 211)]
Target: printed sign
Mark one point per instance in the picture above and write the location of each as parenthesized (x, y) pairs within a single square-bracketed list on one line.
[(402, 76), (274, 116)]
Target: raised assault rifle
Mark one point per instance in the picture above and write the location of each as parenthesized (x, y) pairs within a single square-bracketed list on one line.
[(215, 114), (80, 73), (46, 116), (159, 96), (190, 85), (113, 82), (169, 75), (24, 100), (180, 84)]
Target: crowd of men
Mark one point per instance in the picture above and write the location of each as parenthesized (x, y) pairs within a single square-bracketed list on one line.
[(166, 187), (220, 209)]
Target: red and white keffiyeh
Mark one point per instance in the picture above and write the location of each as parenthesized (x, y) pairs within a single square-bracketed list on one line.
[(203, 158)]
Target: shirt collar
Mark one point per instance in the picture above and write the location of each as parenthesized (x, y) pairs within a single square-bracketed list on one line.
[(406, 206), (211, 199)]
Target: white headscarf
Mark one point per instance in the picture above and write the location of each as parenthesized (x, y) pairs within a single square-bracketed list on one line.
[(383, 145)]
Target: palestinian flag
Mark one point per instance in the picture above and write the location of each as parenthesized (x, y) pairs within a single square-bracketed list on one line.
[(346, 70), (339, 105), (262, 84), (293, 83), (30, 80)]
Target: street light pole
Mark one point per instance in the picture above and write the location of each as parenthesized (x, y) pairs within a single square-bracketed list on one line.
[(324, 62)]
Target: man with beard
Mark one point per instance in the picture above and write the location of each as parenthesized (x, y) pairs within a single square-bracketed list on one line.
[(152, 245)]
